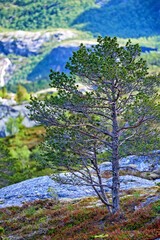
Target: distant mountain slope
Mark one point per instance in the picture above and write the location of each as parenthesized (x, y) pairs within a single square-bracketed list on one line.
[(41, 14), (27, 57), (121, 18)]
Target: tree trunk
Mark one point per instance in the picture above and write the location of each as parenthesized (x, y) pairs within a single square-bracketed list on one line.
[(115, 163)]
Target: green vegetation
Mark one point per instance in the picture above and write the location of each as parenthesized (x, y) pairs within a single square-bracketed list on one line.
[(153, 61), (22, 94), (151, 42), (3, 92), (14, 125), (50, 219), (125, 19), (152, 57), (119, 114), (116, 18), (33, 15), (19, 156), (32, 73)]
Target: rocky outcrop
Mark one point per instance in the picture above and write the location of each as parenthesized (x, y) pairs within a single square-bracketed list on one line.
[(45, 187), (13, 112), (6, 68), (29, 43), (38, 188), (147, 167), (23, 44)]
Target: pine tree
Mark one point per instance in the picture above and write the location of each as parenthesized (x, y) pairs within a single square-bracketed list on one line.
[(119, 114)]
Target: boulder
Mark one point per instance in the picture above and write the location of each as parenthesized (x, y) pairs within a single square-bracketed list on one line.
[(148, 201), (137, 163), (153, 176), (143, 163), (105, 166), (157, 171)]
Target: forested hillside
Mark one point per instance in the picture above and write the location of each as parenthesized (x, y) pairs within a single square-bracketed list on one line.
[(121, 18), (33, 14), (51, 27)]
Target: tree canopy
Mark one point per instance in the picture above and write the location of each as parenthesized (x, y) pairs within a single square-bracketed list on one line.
[(118, 115)]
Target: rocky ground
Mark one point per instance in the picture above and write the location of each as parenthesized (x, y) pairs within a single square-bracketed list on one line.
[(140, 168)]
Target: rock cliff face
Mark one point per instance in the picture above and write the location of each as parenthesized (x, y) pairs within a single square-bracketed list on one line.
[(29, 43), (16, 47), (6, 70), (33, 52)]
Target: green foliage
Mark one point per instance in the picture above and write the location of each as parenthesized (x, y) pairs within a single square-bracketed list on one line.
[(21, 154), (29, 212), (4, 92), (14, 125), (21, 94), (124, 19), (120, 113), (52, 192), (32, 15), (101, 236), (156, 207), (4, 163), (150, 42), (121, 18), (20, 158), (153, 61), (1, 231)]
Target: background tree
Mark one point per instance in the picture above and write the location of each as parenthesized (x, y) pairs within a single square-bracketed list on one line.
[(119, 114), (4, 164), (14, 125), (21, 94), (3, 92)]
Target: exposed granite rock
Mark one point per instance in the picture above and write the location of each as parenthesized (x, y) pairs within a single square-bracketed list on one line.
[(8, 102), (143, 163), (148, 201), (37, 188), (151, 175), (139, 163), (6, 70), (146, 167), (157, 171), (29, 43)]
